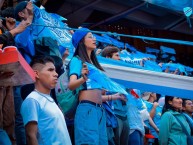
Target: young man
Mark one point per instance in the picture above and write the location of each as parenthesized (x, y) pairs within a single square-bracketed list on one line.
[(23, 11), (43, 120), (121, 132), (187, 108)]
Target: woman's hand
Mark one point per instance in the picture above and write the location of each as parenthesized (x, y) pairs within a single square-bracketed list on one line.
[(119, 96)]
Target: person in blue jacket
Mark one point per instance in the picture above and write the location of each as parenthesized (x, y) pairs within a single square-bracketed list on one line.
[(171, 132)]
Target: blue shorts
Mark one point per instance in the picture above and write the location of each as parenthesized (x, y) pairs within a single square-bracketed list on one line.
[(90, 125)]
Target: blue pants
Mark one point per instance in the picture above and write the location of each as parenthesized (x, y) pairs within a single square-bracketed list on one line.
[(90, 125), (136, 138)]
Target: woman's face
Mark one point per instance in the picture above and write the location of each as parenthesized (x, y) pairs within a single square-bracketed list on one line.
[(176, 103), (90, 41)]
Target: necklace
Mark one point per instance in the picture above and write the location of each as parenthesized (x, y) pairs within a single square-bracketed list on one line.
[(47, 98)]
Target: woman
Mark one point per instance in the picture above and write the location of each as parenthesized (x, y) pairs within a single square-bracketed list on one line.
[(90, 122), (171, 132)]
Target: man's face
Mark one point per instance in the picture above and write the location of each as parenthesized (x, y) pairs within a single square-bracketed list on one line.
[(116, 56), (24, 14), (188, 106), (47, 76)]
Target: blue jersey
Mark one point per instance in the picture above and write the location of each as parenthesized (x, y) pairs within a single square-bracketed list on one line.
[(75, 68)]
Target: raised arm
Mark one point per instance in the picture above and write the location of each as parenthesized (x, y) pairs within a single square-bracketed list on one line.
[(153, 110)]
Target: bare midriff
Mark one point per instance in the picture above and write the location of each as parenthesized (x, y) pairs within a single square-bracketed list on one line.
[(91, 95)]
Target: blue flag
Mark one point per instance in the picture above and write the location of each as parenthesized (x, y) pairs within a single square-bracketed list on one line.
[(46, 24)]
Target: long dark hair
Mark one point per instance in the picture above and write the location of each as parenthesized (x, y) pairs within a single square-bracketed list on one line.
[(167, 106), (82, 53)]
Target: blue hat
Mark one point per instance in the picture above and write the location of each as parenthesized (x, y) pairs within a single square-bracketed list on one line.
[(19, 7), (78, 35)]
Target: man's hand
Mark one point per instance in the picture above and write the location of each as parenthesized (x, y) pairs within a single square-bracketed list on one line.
[(20, 28), (10, 23), (23, 25)]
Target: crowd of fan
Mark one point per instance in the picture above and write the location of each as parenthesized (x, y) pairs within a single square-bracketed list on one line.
[(30, 115)]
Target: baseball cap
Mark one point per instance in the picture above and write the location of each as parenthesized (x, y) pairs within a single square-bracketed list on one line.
[(18, 8)]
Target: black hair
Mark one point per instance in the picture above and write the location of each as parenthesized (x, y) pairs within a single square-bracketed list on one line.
[(184, 102), (42, 59), (167, 106), (8, 12), (82, 53)]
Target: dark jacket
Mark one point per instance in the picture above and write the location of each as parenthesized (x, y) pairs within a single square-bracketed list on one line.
[(7, 39)]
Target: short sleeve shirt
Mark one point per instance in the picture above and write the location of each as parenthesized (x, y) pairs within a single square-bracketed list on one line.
[(75, 68), (42, 109)]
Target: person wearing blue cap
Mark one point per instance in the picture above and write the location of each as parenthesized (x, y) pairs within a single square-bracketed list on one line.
[(90, 119)]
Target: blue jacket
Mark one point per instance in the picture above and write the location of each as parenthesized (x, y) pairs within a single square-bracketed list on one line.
[(171, 132)]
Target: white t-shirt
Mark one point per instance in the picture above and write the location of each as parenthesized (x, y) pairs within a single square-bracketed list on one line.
[(52, 128)]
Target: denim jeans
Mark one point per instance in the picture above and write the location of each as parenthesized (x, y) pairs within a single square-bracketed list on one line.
[(136, 138), (90, 125), (19, 127), (4, 139)]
